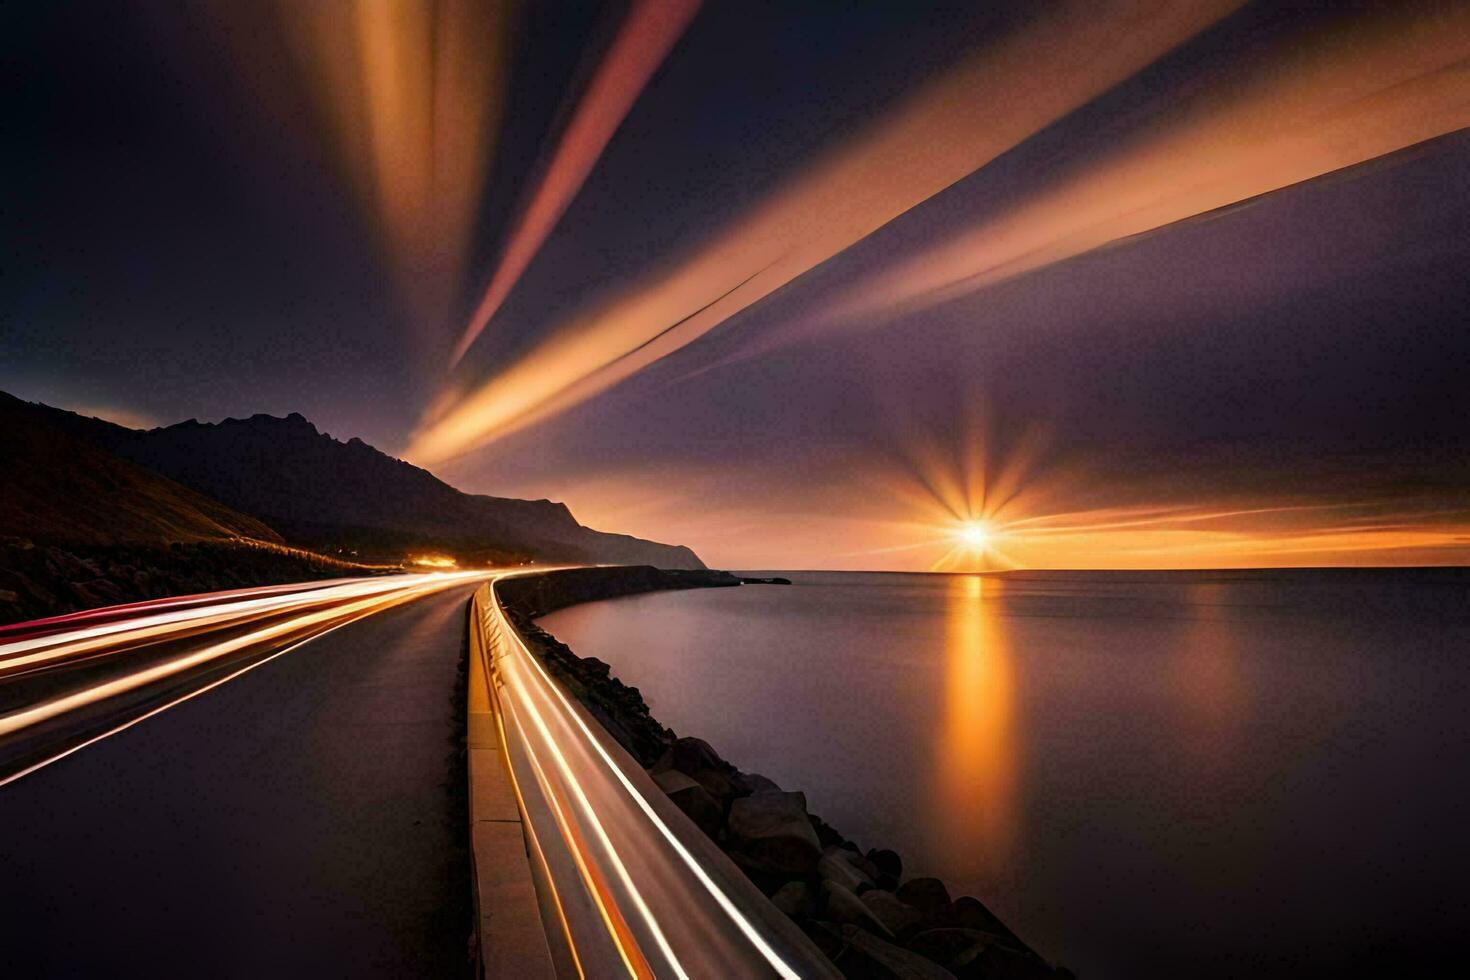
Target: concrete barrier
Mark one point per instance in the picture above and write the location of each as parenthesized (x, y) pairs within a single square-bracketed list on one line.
[(511, 939)]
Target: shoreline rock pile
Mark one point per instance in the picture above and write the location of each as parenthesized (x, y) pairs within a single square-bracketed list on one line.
[(856, 905)]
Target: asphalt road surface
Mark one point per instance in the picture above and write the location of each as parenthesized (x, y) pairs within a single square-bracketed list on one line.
[(305, 818)]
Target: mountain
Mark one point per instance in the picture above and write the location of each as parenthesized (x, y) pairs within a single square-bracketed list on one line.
[(321, 492), (62, 489)]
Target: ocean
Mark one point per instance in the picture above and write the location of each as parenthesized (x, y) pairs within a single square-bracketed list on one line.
[(1203, 774)]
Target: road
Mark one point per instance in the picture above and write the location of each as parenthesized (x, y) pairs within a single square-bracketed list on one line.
[(304, 818), (271, 782)]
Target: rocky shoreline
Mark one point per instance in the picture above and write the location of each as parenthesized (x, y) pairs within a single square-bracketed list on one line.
[(856, 905)]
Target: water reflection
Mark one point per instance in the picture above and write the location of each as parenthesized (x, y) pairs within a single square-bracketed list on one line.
[(976, 751), (1205, 675)]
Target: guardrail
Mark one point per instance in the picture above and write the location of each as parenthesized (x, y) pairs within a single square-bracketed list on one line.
[(625, 883)]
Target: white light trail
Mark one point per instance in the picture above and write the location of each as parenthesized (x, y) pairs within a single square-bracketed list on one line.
[(746, 927)]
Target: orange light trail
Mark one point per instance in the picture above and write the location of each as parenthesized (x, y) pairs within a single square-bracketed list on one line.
[(531, 691), (648, 34), (1065, 58)]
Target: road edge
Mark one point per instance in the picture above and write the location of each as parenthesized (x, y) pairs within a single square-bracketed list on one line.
[(509, 932)]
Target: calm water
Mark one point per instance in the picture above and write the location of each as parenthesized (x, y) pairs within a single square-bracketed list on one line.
[(1176, 774)]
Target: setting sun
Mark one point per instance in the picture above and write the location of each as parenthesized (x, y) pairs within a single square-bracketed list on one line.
[(975, 534)]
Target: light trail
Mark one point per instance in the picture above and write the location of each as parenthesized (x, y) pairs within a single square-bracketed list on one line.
[(24, 718), (1068, 55), (661, 908), (651, 29), (617, 927), (164, 707), (50, 648), (122, 647), (531, 836), (525, 689), (54, 624)]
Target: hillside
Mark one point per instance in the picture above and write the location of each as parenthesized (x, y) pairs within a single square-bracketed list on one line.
[(59, 488), (321, 492)]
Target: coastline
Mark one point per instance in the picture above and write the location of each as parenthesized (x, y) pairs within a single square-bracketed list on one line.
[(856, 905)]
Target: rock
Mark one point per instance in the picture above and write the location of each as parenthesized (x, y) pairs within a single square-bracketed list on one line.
[(754, 782), (719, 784), (968, 913), (888, 863), (836, 865), (826, 936), (691, 797), (863, 956), (950, 945), (997, 961), (900, 918), (770, 832), (928, 895), (794, 898), (825, 834), (690, 755), (846, 908)]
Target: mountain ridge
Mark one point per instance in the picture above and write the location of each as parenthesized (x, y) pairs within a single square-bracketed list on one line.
[(63, 489), (319, 491)]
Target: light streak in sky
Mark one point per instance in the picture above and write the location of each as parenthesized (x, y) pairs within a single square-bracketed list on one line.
[(963, 119), (651, 29), (1372, 85), (411, 94)]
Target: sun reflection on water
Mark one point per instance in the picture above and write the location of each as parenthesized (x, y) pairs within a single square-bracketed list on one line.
[(977, 765)]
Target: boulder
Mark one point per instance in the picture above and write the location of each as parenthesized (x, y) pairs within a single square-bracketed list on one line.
[(928, 895), (718, 783), (825, 833), (794, 898), (754, 782), (770, 832), (888, 864), (863, 956), (998, 961), (845, 908), (969, 913), (900, 918), (836, 865), (690, 755), (950, 945), (691, 797)]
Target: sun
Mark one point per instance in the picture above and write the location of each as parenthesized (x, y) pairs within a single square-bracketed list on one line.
[(975, 535)]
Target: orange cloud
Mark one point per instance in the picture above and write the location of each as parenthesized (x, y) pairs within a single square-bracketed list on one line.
[(857, 510)]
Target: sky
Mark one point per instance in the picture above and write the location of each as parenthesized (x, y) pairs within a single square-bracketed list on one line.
[(1127, 284)]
